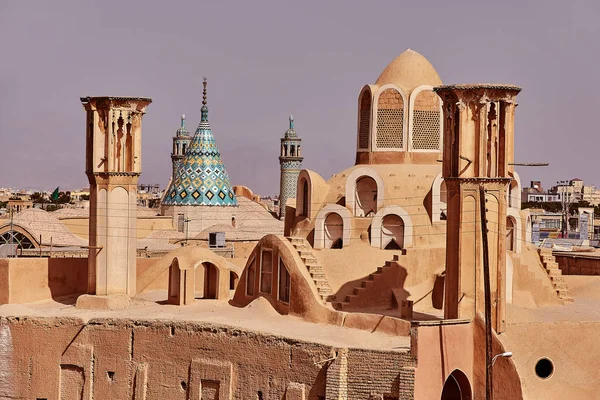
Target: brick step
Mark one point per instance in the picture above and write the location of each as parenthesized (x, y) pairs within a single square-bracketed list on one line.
[(309, 260), (298, 240), (567, 299), (560, 285), (554, 272), (317, 275), (324, 290), (349, 297), (358, 290), (365, 284), (316, 268)]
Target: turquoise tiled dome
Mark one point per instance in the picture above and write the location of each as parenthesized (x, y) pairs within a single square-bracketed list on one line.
[(201, 179)]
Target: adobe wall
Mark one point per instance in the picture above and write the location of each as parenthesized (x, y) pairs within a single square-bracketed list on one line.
[(445, 346), (34, 279), (576, 264), (573, 348), (25, 280), (118, 359)]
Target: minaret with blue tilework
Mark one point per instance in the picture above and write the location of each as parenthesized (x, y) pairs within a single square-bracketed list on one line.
[(201, 179), (181, 142), (290, 161)]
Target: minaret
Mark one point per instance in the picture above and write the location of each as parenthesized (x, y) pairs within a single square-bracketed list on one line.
[(290, 161), (113, 166), (202, 179), (181, 142), (477, 156)]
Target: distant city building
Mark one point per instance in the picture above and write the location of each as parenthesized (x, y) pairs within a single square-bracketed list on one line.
[(572, 191)]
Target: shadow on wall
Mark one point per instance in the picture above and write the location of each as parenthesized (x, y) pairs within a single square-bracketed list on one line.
[(386, 289), (67, 277)]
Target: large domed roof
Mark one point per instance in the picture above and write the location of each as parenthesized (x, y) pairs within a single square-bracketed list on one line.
[(409, 71)]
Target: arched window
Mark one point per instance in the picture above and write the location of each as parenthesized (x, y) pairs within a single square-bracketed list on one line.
[(233, 222), (292, 151), (366, 197), (304, 203), (364, 120), (390, 120), (457, 387), (392, 232), (17, 238), (251, 278), (184, 148), (334, 231), (426, 123)]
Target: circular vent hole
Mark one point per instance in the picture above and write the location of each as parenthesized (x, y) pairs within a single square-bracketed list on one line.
[(544, 368)]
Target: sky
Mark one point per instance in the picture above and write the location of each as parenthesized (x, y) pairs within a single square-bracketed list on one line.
[(265, 60)]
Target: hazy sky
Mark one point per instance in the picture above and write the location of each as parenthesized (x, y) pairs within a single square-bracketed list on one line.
[(267, 59)]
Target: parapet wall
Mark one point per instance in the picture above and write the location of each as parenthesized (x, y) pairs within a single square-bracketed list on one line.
[(118, 359)]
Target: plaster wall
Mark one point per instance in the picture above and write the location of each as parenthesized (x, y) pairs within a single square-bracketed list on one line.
[(146, 360), (34, 279), (574, 376), (24, 280), (571, 264)]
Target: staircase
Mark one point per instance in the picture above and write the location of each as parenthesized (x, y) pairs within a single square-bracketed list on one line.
[(315, 269), (555, 274), (357, 293)]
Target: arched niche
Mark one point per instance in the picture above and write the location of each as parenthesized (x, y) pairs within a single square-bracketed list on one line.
[(324, 233), (334, 231), (352, 180), (425, 120), (390, 127), (514, 192), (363, 139), (457, 387), (304, 195), (380, 238), (439, 199), (514, 217)]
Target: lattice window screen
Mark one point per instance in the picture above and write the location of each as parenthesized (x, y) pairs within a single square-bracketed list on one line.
[(426, 130), (365, 121), (390, 120)]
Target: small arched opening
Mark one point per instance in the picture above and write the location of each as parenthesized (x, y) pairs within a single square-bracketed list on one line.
[(174, 282), (457, 387), (292, 151), (392, 232), (233, 222), (510, 234), (233, 280), (366, 197), (334, 231), (206, 282), (304, 199)]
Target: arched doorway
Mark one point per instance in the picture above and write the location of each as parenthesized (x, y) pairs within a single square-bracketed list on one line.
[(206, 281), (457, 387), (392, 232), (366, 197), (334, 231)]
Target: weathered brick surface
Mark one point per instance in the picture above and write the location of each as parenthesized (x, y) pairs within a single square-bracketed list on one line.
[(119, 359)]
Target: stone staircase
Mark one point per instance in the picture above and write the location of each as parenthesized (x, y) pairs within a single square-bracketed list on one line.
[(305, 251), (555, 274), (365, 285)]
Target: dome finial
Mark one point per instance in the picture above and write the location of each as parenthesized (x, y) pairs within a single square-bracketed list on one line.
[(182, 121), (204, 108), (291, 121)]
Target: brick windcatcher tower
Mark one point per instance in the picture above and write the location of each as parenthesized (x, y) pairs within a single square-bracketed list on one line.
[(478, 140), (113, 166), (290, 161)]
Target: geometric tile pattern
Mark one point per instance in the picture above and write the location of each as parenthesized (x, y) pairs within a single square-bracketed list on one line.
[(201, 178)]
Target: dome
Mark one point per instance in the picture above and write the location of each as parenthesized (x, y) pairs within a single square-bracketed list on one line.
[(409, 71)]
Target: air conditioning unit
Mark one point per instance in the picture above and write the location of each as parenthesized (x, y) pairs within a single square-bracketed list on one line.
[(216, 239)]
